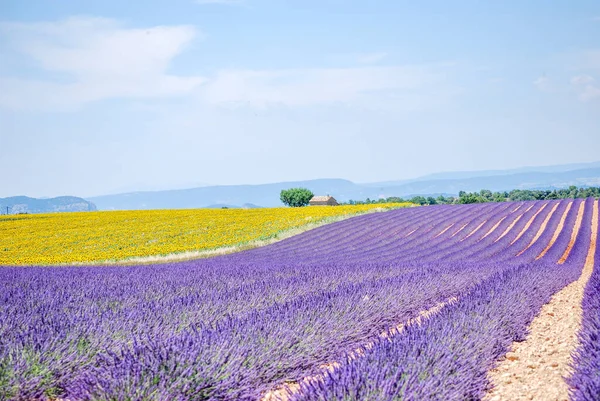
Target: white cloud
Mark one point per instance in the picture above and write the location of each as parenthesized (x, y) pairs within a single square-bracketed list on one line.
[(543, 83), (585, 86), (596, 19), (371, 58), (412, 86), (582, 80), (101, 60)]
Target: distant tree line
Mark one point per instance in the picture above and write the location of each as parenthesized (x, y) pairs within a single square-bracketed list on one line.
[(488, 196)]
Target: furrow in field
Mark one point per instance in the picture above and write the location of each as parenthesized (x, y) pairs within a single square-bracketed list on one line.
[(339, 237), (493, 228), (488, 248), (444, 230), (497, 249), (540, 230), (416, 249), (385, 245), (482, 224), (557, 232), (448, 356), (460, 229), (328, 232), (411, 233), (565, 255), (511, 226), (419, 251), (528, 224), (560, 244), (341, 233), (474, 231), (284, 392), (535, 368), (472, 248), (405, 247), (508, 256)]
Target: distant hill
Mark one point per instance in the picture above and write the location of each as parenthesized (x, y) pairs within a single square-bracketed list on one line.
[(455, 175), (267, 195), (225, 195), (528, 180), (24, 204)]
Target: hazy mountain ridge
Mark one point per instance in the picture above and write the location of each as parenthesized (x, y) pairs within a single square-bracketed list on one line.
[(343, 190), (454, 175), (25, 204), (267, 195)]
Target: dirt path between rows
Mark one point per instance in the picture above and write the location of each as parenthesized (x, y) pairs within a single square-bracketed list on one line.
[(540, 230), (573, 234), (510, 227), (284, 392), (460, 229), (513, 223), (559, 228), (535, 368), (474, 231), (444, 230), (528, 224), (493, 228)]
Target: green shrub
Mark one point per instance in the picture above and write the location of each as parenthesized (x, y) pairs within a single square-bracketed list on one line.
[(296, 197)]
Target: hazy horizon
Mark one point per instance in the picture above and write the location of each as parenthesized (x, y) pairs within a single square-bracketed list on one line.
[(105, 97), (470, 173)]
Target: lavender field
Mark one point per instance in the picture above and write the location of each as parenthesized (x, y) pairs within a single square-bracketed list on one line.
[(239, 326)]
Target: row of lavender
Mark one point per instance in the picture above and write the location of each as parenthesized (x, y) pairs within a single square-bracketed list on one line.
[(448, 357), (235, 326), (384, 238), (585, 381)]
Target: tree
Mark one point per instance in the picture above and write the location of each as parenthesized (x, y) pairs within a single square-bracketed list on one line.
[(296, 197), (467, 198), (486, 194), (394, 199), (431, 201), (419, 200)]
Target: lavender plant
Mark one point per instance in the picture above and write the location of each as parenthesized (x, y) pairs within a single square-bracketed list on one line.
[(235, 326)]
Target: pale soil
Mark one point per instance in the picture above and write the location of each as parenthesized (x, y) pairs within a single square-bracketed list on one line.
[(535, 368), (284, 392), (493, 228), (460, 229), (474, 231), (540, 230), (410, 233), (557, 232), (444, 230), (573, 234), (510, 227), (528, 224)]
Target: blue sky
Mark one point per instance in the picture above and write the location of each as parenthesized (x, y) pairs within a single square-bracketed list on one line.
[(111, 96)]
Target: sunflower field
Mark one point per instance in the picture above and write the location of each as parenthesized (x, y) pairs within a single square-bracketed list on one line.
[(89, 237)]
